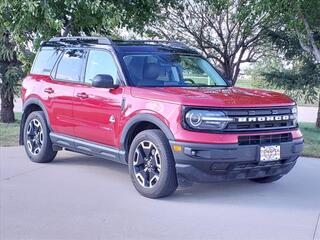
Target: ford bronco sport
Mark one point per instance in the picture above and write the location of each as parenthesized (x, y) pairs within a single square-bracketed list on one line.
[(159, 107)]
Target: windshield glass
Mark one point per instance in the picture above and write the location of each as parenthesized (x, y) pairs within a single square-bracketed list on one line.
[(171, 70)]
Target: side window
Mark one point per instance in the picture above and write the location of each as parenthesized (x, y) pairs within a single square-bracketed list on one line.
[(70, 65), (100, 62), (45, 60)]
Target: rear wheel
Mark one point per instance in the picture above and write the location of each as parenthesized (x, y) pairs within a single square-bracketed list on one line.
[(37, 141), (151, 164), (267, 179)]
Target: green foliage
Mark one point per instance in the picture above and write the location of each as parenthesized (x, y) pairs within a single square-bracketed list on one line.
[(10, 68), (11, 81), (298, 22), (32, 21), (292, 62), (299, 79)]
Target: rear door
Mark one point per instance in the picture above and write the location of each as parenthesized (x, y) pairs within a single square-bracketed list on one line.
[(97, 110), (60, 90)]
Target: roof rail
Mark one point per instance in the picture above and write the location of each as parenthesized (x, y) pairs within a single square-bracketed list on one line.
[(165, 42), (108, 41), (81, 39)]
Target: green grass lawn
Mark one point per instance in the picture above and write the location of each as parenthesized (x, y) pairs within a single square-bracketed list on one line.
[(9, 136), (311, 139), (9, 132), (244, 83)]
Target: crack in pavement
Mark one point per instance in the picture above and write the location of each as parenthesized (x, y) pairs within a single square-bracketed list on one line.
[(316, 228), (22, 173)]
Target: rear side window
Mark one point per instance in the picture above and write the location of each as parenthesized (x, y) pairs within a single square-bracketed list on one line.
[(70, 65), (45, 60)]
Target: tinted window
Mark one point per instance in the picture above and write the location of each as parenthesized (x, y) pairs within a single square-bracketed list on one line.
[(69, 67), (45, 61), (100, 62)]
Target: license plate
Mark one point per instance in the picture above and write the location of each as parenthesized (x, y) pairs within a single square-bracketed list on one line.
[(270, 153)]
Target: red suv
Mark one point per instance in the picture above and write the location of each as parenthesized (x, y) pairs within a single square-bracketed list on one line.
[(159, 107)]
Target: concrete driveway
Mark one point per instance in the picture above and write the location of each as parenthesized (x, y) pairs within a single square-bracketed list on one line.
[(80, 197)]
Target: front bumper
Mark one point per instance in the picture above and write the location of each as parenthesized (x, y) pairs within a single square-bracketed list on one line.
[(223, 162)]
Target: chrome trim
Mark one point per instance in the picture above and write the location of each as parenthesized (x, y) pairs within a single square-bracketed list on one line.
[(218, 119)]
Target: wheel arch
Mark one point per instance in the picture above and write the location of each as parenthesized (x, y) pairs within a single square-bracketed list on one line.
[(138, 123), (31, 105)]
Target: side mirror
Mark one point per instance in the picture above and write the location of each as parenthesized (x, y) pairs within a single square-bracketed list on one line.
[(103, 81)]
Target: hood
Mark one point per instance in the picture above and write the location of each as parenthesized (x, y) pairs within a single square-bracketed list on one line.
[(214, 97)]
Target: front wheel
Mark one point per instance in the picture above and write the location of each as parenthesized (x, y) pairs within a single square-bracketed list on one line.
[(151, 164)]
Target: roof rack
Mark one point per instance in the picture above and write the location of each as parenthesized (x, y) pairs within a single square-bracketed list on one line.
[(164, 42), (80, 39), (108, 41)]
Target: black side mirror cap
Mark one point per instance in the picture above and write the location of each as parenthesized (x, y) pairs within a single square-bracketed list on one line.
[(103, 81)]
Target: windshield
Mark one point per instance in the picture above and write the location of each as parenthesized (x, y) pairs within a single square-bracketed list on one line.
[(171, 70)]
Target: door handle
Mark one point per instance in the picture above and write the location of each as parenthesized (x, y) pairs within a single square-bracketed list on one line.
[(82, 95), (49, 90)]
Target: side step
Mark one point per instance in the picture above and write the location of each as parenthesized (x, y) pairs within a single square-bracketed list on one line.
[(60, 142)]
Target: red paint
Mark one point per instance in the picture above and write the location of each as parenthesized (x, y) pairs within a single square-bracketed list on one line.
[(91, 114), (214, 97), (84, 111)]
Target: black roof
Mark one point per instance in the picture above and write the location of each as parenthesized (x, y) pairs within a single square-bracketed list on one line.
[(122, 46)]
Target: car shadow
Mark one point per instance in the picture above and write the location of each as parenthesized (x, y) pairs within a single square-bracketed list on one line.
[(70, 158), (300, 188)]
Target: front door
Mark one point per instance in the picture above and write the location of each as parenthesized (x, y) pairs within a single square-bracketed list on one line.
[(97, 110)]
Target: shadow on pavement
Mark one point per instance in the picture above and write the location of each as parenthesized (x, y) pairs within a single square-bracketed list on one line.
[(300, 188), (83, 160)]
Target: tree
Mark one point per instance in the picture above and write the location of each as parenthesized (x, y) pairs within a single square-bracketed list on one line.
[(296, 41), (302, 19), (290, 68), (229, 32), (300, 79), (10, 74), (32, 21), (29, 22)]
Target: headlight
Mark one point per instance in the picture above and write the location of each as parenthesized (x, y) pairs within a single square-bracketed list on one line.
[(294, 112), (206, 119)]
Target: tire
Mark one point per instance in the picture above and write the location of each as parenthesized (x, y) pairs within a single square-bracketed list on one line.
[(269, 179), (155, 177), (37, 142)]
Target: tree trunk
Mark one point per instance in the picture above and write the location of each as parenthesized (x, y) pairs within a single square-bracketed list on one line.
[(227, 71), (318, 118), (7, 114)]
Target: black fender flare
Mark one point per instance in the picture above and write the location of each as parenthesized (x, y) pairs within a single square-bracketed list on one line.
[(26, 105), (142, 117)]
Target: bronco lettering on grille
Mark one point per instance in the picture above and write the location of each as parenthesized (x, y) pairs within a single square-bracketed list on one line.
[(263, 118)]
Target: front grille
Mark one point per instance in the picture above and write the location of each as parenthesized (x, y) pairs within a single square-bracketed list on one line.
[(265, 139), (260, 119), (261, 126)]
